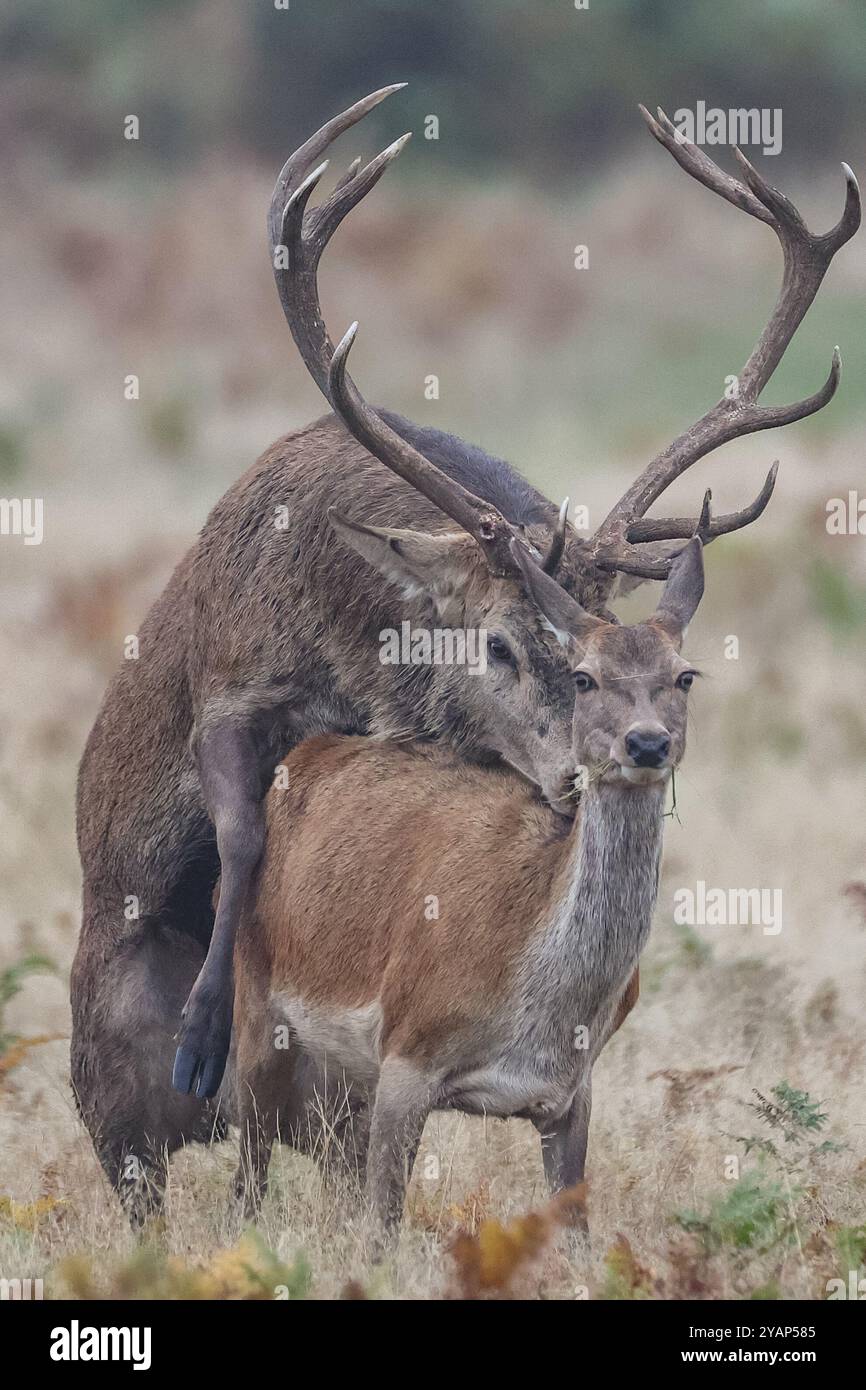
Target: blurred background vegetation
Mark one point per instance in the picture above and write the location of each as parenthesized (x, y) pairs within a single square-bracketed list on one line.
[(463, 267), (535, 88)]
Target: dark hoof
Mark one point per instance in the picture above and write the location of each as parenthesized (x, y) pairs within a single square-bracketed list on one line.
[(203, 1041), (198, 1075)]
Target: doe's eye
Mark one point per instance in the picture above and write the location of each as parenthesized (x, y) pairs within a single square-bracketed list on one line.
[(584, 681), (686, 680), (499, 650)]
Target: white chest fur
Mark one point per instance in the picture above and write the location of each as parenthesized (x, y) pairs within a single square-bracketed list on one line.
[(346, 1038)]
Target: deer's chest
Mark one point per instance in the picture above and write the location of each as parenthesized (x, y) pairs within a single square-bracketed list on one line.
[(344, 1037), (507, 1091), (530, 1068)]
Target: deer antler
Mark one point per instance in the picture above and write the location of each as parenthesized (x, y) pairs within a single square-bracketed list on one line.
[(627, 541), (298, 237), (550, 563)]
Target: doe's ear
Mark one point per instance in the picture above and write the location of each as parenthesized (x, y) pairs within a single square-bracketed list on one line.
[(683, 591), (417, 562), (563, 613)]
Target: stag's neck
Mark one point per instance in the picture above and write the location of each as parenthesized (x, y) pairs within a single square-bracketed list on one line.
[(603, 902)]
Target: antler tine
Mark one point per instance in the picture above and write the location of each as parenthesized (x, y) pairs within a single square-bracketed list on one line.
[(806, 259), (706, 514), (302, 234), (651, 562), (550, 563), (297, 238), (349, 192), (482, 521), (695, 162), (851, 213), (645, 553), (707, 527), (348, 175)]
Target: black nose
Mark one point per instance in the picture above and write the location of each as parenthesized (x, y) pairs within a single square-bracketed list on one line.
[(647, 748)]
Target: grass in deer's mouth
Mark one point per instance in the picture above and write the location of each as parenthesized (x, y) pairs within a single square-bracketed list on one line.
[(596, 775), (673, 812)]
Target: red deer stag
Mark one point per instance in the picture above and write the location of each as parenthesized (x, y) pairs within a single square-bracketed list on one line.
[(501, 1004), (265, 636)]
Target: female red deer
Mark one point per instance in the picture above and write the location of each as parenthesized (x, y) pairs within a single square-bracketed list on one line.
[(500, 1005)]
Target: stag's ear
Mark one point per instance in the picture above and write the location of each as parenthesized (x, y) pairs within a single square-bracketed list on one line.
[(682, 592), (436, 565), (563, 613)]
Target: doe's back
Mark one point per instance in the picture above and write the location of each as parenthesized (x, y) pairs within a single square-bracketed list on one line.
[(396, 872)]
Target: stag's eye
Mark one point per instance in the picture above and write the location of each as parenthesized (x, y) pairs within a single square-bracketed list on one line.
[(686, 680), (499, 650), (584, 681)]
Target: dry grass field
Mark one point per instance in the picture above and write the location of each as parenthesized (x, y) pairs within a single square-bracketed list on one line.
[(576, 376)]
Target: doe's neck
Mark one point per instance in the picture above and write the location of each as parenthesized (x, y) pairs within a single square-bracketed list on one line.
[(610, 883), (617, 837)]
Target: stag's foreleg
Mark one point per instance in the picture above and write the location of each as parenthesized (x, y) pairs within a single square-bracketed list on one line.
[(230, 769)]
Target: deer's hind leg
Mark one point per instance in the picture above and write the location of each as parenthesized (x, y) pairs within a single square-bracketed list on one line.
[(270, 1090), (293, 1099), (127, 997), (271, 1105), (258, 1124), (329, 1121)]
